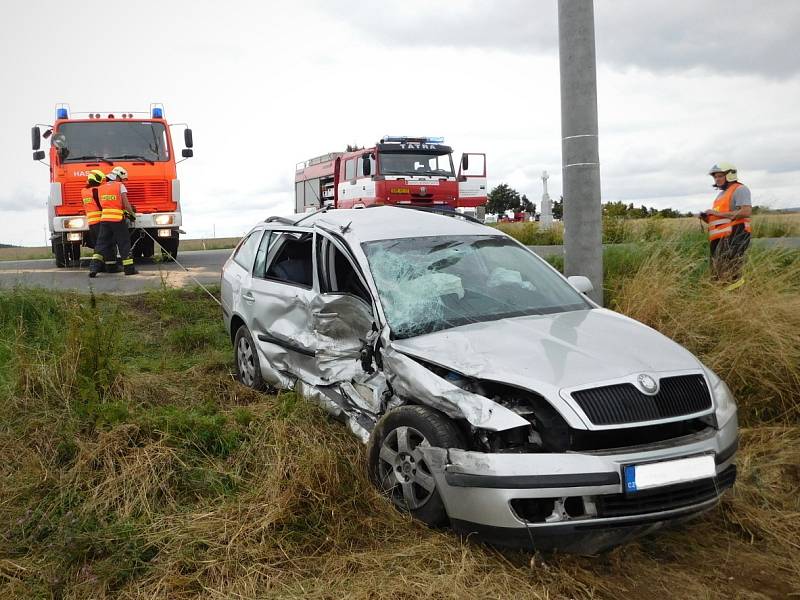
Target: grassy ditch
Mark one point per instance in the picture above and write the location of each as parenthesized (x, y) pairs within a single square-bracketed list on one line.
[(136, 467)]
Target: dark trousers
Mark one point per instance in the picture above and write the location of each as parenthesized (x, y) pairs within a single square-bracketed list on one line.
[(114, 236), (727, 254)]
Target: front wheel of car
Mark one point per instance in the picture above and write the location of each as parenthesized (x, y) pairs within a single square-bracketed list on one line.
[(248, 370), (398, 467)]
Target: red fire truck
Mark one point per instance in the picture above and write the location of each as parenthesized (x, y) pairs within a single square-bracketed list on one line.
[(140, 142), (396, 170)]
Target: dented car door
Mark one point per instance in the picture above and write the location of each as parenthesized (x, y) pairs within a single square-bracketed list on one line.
[(282, 293)]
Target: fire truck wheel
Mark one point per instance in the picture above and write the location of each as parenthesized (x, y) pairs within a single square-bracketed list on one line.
[(169, 248), (60, 253), (143, 247), (67, 254)]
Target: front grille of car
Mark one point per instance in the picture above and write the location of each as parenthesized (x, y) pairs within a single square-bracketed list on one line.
[(665, 498), (624, 403)]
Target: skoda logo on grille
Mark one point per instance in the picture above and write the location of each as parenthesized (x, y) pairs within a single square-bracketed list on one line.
[(647, 383), (423, 191)]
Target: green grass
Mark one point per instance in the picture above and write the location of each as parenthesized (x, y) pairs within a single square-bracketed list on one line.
[(135, 466)]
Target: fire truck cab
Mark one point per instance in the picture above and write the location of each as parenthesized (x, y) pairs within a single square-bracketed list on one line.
[(396, 170), (139, 142)]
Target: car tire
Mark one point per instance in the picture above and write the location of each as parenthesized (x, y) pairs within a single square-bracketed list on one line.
[(398, 468), (248, 370)]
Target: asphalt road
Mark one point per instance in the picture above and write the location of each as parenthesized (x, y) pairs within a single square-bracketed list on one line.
[(203, 266)]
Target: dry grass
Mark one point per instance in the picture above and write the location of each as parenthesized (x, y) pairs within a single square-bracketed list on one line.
[(169, 480), (750, 337)]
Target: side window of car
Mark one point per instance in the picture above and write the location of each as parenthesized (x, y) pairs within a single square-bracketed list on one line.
[(246, 251), (337, 273), (350, 169), (292, 260), (260, 268)]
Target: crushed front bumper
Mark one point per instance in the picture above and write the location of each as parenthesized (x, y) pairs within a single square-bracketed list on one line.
[(575, 502)]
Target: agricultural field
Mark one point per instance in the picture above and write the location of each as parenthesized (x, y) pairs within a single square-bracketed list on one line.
[(652, 229), (31, 253), (136, 467)]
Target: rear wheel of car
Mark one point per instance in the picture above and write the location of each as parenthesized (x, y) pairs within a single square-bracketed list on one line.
[(396, 463), (248, 370)]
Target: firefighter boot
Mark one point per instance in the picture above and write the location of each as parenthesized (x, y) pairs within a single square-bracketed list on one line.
[(128, 267), (96, 265), (112, 267)]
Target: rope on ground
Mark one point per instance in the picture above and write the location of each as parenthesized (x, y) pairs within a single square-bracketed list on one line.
[(175, 260)]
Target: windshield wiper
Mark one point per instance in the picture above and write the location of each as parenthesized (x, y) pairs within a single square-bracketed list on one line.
[(133, 157), (90, 157)]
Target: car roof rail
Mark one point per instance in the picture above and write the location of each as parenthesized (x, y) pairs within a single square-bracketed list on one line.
[(437, 211), (284, 220)]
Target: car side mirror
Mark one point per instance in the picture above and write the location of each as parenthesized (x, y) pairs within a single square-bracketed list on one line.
[(36, 138), (188, 141), (465, 162), (581, 283), (367, 166), (39, 155), (187, 153)]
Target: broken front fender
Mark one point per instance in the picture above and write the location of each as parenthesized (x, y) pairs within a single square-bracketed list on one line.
[(412, 382)]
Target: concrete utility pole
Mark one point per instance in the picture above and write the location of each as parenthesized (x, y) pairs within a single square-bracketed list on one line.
[(580, 162)]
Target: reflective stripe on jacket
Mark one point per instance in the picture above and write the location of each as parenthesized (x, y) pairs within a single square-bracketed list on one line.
[(720, 227), (90, 206), (111, 201)]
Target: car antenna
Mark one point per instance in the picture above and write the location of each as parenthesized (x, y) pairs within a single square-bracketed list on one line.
[(345, 228)]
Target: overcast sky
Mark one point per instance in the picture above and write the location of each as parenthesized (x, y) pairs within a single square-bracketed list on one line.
[(681, 85)]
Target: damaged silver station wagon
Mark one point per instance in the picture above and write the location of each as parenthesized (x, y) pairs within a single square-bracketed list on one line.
[(493, 395)]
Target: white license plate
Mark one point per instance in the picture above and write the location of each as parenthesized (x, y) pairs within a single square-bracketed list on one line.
[(651, 475)]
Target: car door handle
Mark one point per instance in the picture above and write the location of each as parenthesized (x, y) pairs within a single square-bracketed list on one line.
[(248, 298), (325, 315)]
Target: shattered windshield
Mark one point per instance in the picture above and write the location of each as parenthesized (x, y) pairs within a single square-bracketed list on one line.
[(110, 140), (412, 163), (433, 283)]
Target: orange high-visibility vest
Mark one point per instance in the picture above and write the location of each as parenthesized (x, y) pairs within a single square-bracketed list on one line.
[(91, 208), (720, 227), (111, 201)]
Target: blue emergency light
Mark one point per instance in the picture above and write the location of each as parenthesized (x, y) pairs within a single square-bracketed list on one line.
[(62, 113), (158, 112)]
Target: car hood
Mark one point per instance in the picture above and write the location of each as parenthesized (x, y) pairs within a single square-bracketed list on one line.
[(545, 353)]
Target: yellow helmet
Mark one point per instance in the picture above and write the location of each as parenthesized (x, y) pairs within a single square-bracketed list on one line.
[(95, 176), (727, 168)]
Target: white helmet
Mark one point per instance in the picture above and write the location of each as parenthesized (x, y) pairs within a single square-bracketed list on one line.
[(727, 168), (119, 173)]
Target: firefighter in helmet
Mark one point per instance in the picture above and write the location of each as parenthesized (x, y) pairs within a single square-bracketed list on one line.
[(113, 225), (728, 225), (91, 204)]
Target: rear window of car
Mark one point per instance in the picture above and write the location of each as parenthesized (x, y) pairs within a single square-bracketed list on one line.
[(246, 252)]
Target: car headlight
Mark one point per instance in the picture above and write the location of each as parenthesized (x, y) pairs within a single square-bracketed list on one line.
[(724, 401), (75, 223), (163, 219)]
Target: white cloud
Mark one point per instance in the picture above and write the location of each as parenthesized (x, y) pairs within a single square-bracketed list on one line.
[(267, 84)]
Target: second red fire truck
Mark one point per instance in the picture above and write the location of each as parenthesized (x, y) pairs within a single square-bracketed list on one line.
[(415, 171)]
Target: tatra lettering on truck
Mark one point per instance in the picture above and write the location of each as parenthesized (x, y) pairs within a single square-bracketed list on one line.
[(139, 142), (397, 170)]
